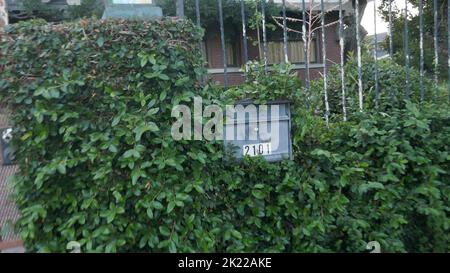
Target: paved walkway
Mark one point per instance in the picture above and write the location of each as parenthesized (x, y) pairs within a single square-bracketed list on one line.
[(9, 241)]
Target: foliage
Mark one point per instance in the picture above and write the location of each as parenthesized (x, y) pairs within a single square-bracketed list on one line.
[(92, 103), (413, 37), (391, 84), (37, 9), (209, 10), (231, 11), (383, 178), (86, 9), (280, 82), (93, 106), (33, 9), (396, 167)]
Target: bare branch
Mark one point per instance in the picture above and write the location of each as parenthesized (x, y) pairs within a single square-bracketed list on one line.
[(288, 19), (327, 25), (288, 29)]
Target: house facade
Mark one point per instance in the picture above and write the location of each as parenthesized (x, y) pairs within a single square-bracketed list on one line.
[(212, 49)]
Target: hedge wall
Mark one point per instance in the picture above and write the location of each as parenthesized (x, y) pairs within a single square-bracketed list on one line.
[(92, 103)]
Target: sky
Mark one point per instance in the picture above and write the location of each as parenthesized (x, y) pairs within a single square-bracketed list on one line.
[(368, 18)]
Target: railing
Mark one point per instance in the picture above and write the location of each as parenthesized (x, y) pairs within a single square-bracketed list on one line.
[(319, 9), (340, 23)]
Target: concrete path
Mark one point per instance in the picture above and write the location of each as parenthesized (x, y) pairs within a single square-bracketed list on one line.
[(9, 241)]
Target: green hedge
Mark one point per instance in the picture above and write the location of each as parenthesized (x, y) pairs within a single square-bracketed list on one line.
[(92, 103), (391, 84)]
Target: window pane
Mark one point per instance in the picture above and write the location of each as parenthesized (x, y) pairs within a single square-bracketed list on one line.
[(295, 52), (213, 55), (312, 52), (275, 52), (204, 54), (230, 54), (295, 49)]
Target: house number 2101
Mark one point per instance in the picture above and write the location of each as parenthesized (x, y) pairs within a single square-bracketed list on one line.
[(257, 149)]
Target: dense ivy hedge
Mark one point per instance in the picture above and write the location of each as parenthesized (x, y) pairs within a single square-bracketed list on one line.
[(92, 103), (384, 175)]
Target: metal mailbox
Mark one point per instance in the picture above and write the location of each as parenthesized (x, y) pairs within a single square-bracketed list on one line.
[(259, 130)]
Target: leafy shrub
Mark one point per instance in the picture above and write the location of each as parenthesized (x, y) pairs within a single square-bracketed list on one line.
[(92, 103), (281, 82), (369, 179), (391, 83), (54, 12), (396, 165), (86, 8)]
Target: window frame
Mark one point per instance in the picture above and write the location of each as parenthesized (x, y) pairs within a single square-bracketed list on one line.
[(315, 47), (235, 48)]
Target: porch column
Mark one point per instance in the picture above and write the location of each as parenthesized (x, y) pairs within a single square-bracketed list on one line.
[(3, 15)]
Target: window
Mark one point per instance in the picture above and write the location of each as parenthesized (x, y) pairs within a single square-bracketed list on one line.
[(204, 52), (275, 51), (213, 54), (232, 54), (275, 46)]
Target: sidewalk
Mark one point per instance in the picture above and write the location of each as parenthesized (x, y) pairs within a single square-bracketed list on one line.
[(9, 241)]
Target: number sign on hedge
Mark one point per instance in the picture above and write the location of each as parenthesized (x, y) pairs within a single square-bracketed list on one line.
[(259, 130)]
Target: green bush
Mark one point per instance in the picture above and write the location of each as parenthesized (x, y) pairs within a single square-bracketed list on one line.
[(87, 8), (397, 166), (391, 83), (92, 103), (384, 179), (382, 176)]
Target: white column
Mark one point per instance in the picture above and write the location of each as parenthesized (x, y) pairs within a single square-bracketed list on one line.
[(3, 15)]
